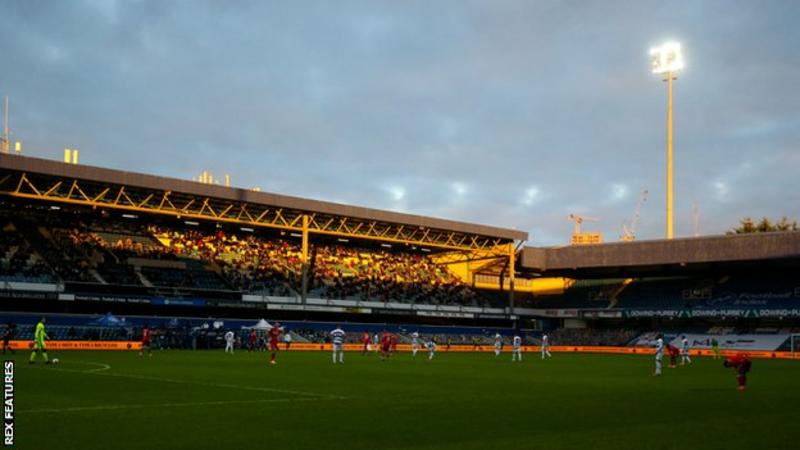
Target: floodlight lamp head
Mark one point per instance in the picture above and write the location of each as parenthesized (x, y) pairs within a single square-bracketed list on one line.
[(666, 58)]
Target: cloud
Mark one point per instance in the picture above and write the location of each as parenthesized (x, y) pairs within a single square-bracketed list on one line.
[(460, 189), (618, 191), (530, 196), (397, 193), (512, 114), (721, 190)]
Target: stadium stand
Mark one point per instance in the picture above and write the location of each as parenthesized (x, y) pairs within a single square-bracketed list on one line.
[(353, 273), (84, 249), (18, 261), (592, 336), (741, 290), (82, 240)]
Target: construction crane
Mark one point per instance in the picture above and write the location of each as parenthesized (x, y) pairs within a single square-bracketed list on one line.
[(5, 138), (581, 238), (629, 233), (579, 220)]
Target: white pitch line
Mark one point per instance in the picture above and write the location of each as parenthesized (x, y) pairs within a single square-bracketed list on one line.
[(101, 367), (166, 405)]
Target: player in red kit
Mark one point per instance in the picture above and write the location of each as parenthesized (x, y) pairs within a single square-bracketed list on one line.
[(742, 364), (146, 342), (674, 352), (253, 339), (365, 341), (386, 345), (394, 343), (274, 334)]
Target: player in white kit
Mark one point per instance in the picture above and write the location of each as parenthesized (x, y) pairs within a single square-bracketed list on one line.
[(431, 346), (659, 355), (229, 337), (498, 344), (414, 343), (516, 349), (546, 347), (337, 339), (685, 351)]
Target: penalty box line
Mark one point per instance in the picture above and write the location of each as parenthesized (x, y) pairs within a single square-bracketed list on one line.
[(310, 395), (167, 405)]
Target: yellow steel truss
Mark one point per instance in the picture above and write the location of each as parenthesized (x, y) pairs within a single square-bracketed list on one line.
[(187, 206)]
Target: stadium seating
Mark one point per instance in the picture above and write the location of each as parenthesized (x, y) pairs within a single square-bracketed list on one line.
[(94, 253), (356, 274), (86, 250), (737, 291), (711, 293), (581, 294), (18, 261), (592, 336)]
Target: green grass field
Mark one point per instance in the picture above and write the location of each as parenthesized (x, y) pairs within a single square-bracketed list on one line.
[(206, 399)]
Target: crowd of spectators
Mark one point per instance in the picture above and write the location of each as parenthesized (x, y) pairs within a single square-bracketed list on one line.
[(250, 264), (18, 262), (353, 273), (91, 250)]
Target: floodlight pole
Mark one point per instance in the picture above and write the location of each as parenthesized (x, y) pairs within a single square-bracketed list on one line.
[(304, 259), (670, 206), (511, 265), (667, 62)]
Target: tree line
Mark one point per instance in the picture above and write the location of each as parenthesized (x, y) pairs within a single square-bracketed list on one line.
[(765, 225)]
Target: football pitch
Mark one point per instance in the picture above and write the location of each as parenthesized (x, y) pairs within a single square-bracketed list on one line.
[(207, 399)]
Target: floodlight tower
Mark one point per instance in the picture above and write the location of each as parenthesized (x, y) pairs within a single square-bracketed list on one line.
[(667, 61)]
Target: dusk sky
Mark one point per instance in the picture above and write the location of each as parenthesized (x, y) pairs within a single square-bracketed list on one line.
[(507, 113)]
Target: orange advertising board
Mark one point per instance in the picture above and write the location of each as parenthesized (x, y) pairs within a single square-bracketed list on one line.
[(80, 345), (303, 346), (553, 348)]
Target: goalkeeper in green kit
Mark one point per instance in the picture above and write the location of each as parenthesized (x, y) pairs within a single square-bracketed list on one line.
[(38, 343)]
